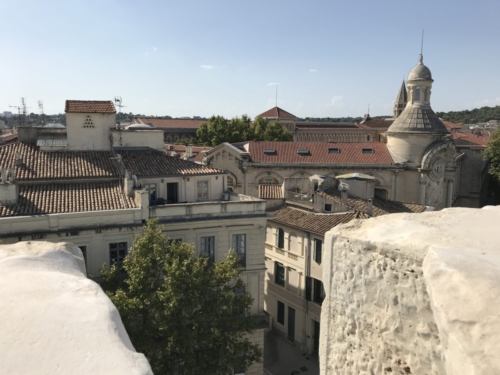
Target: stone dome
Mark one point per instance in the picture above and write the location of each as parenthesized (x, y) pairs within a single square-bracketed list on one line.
[(420, 72)]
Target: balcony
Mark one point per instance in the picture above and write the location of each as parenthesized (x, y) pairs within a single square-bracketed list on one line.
[(283, 254), (237, 205)]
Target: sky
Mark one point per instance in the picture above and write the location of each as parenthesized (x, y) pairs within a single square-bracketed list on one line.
[(225, 57)]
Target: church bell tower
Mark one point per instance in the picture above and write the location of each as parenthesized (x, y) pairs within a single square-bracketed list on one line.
[(401, 100)]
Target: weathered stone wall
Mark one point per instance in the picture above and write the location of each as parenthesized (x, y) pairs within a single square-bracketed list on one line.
[(413, 294)]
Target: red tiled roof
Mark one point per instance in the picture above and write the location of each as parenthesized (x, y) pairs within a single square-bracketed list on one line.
[(309, 221), (377, 123), (451, 125), (380, 206), (170, 123), (90, 106), (268, 191), (470, 139), (276, 112), (350, 153), (154, 163), (61, 198), (180, 149), (38, 165)]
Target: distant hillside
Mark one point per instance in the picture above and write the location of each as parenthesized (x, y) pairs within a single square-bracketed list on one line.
[(473, 116)]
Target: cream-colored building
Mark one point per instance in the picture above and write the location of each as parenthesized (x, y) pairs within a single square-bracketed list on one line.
[(96, 186), (294, 249)]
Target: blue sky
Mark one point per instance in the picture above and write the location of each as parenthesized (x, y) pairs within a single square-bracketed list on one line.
[(199, 58)]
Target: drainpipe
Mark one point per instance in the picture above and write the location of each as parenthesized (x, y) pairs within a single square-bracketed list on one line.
[(306, 302), (369, 207)]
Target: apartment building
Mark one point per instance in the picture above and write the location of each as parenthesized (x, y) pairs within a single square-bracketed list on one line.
[(95, 185), (294, 247)]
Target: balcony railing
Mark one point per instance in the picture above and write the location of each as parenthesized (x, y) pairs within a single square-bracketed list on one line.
[(304, 198), (284, 253)]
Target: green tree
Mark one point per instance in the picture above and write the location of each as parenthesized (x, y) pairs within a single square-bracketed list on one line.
[(492, 153), (259, 128), (276, 132), (202, 135), (185, 313)]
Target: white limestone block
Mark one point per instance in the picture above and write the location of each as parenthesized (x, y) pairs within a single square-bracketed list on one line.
[(54, 320), (413, 294)]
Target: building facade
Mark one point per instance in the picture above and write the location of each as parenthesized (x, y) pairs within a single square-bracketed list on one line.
[(56, 187)]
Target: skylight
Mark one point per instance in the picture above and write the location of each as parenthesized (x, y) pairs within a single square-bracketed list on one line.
[(334, 150), (303, 152), (368, 151), (269, 151)]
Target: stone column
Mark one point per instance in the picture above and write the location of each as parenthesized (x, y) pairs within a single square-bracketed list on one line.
[(394, 185), (423, 185), (449, 200)]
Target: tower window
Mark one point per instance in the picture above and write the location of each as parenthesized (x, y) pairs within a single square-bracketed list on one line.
[(416, 95)]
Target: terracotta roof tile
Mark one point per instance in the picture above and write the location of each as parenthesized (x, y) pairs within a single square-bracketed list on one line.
[(377, 123), (451, 125), (309, 221), (350, 153), (154, 163), (276, 112), (470, 139), (268, 191), (39, 165), (90, 106), (170, 123), (380, 206), (61, 198)]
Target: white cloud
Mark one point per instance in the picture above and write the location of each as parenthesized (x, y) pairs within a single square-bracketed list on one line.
[(272, 84), (313, 70), (336, 102), (207, 66)]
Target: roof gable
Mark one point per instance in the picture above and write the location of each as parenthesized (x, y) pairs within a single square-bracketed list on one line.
[(89, 106), (276, 112)]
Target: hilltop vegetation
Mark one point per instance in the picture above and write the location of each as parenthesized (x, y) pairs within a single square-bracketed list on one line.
[(473, 116)]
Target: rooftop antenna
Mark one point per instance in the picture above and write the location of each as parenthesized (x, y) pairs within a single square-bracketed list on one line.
[(18, 113), (119, 103), (276, 95)]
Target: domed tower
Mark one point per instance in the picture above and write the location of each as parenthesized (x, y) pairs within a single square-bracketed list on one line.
[(417, 127)]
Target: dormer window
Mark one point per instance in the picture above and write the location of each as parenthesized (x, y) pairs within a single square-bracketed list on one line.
[(88, 122), (269, 151), (334, 150), (303, 152), (367, 151)]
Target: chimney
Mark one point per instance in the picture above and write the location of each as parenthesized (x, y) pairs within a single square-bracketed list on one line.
[(189, 151), (369, 207), (343, 196), (9, 192)]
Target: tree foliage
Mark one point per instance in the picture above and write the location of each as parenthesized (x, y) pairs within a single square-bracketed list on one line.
[(473, 116), (492, 153), (183, 312), (240, 129)]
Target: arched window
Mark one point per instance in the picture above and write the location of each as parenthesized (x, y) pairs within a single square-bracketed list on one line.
[(268, 180), (281, 239), (230, 182)]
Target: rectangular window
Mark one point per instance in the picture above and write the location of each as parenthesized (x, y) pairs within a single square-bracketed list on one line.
[(318, 249), (240, 246), (334, 150), (328, 207), (367, 151), (319, 292), (416, 97), (117, 252), (202, 189), (208, 247), (281, 313), (279, 273), (84, 253), (281, 238), (308, 288)]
